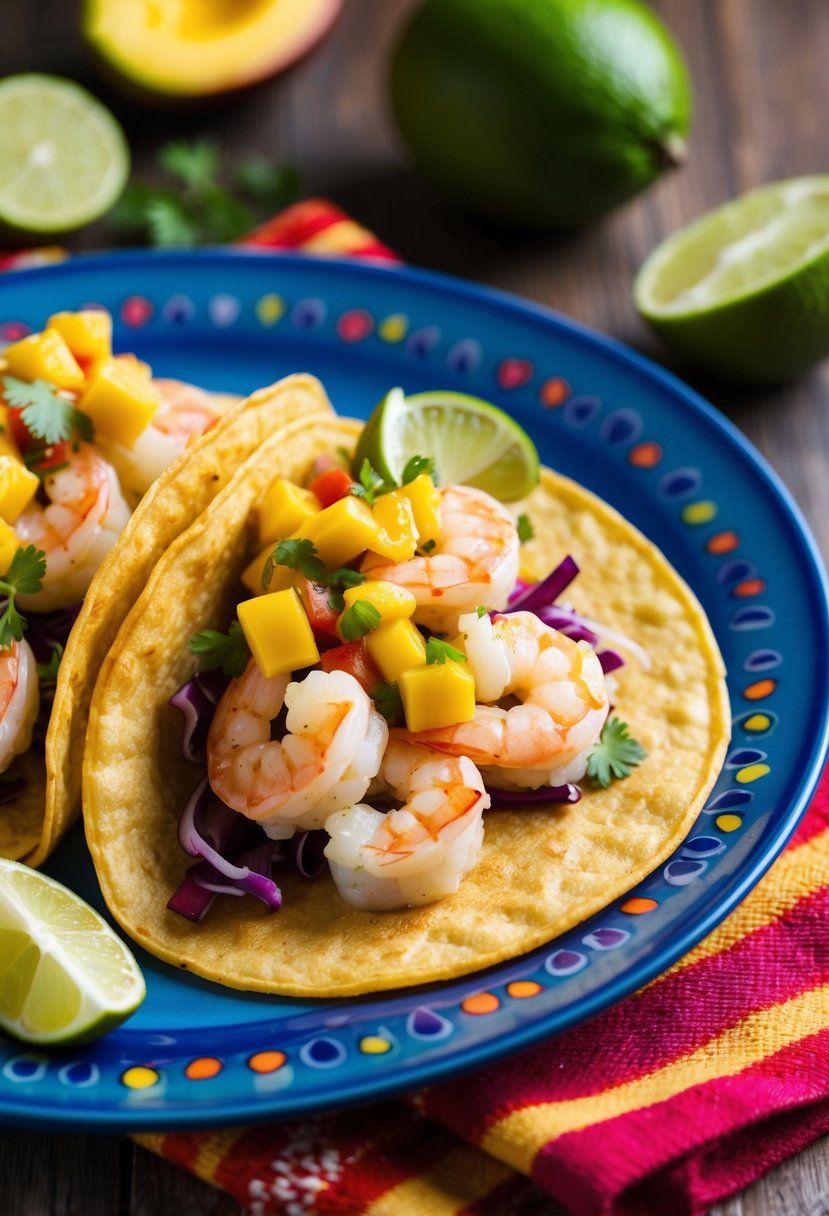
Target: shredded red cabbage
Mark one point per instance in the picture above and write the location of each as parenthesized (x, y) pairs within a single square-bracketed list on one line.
[(527, 798), (47, 630), (190, 899), (305, 852), (610, 660), (197, 709), (541, 595)]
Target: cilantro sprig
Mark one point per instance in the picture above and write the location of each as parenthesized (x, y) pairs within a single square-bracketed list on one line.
[(46, 414), (615, 754), (301, 554), (358, 620), (370, 484), (525, 529), (229, 651), (438, 651), (23, 577), (48, 672), (388, 701)]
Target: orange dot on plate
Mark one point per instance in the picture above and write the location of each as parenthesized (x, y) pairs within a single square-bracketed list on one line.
[(638, 905), (203, 1068), (751, 586), (267, 1061), (482, 1002), (521, 989), (722, 542), (555, 391), (759, 689), (645, 455)]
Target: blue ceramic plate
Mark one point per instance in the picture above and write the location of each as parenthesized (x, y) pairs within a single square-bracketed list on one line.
[(196, 1054)]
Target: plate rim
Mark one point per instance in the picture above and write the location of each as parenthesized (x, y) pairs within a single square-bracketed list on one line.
[(487, 1051)]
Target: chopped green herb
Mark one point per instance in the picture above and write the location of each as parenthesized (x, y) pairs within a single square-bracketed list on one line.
[(428, 546), (416, 465), (46, 415), (438, 652), (48, 672), (388, 702), (336, 601), (301, 554), (614, 755), (23, 577), (525, 529), (229, 651), (358, 620), (370, 483), (481, 610)]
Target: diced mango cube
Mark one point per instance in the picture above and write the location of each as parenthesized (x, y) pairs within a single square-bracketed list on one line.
[(396, 647), (424, 496), (87, 333), (437, 695), (392, 602), (396, 528), (8, 447), (9, 544), (284, 508), (342, 531), (278, 632), (119, 401), (282, 577), (129, 361), (18, 487), (44, 357)]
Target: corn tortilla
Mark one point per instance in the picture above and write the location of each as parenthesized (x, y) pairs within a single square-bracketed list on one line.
[(541, 871), (31, 826)]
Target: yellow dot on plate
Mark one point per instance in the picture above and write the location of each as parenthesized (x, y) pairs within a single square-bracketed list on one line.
[(266, 1061), (203, 1068), (269, 309), (373, 1045), (699, 512), (757, 722), (393, 328), (140, 1077), (752, 773), (728, 823), (521, 989)]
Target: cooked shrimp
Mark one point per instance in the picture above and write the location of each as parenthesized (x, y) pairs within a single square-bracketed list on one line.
[(332, 749), (84, 518), (475, 560), (562, 703), (185, 413), (416, 854), (19, 701)]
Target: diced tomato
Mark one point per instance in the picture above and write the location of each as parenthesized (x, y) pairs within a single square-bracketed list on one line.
[(52, 457), (316, 600), (331, 486), (354, 658), (20, 432)]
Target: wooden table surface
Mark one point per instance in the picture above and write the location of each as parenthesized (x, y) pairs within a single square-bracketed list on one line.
[(762, 101)]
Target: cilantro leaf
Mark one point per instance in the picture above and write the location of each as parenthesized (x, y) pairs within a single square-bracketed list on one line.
[(481, 610), (438, 651), (194, 164), (615, 754), (371, 483), (358, 620), (388, 702), (170, 222), (48, 672), (230, 650), (299, 555), (416, 465), (23, 577), (525, 529), (428, 546), (47, 415), (272, 185)]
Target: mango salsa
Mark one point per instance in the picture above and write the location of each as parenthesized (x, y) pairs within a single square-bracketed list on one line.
[(281, 578), (437, 695), (396, 647), (342, 531), (8, 447), (44, 357), (119, 401), (87, 333), (18, 487), (285, 507), (278, 632), (424, 496), (9, 544), (392, 602), (396, 529)]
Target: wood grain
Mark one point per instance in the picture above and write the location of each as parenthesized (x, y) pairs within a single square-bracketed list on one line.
[(762, 97)]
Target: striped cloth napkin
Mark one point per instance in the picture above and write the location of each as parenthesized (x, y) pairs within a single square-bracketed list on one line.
[(671, 1101)]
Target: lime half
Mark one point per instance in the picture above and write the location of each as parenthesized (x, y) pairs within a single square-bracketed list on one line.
[(63, 158), (65, 977), (744, 291), (471, 442)]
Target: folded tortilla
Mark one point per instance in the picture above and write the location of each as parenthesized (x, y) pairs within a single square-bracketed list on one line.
[(31, 826), (541, 871)]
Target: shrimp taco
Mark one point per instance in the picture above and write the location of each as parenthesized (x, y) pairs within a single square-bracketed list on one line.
[(94, 483), (439, 795)]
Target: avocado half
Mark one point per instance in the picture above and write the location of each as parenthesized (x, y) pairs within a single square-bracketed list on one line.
[(199, 48)]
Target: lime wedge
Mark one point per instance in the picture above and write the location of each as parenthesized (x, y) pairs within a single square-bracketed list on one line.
[(471, 442), (65, 977), (744, 291), (63, 158)]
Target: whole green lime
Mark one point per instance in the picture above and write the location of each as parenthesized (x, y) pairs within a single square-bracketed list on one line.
[(540, 113)]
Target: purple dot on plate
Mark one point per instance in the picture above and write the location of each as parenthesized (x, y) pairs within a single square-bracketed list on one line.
[(565, 962), (762, 660), (679, 483), (178, 309), (680, 873), (423, 341), (426, 1024), (464, 356), (735, 571), (622, 426), (308, 314), (742, 756), (702, 846), (606, 939), (754, 617), (580, 410), (728, 799), (323, 1053)]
